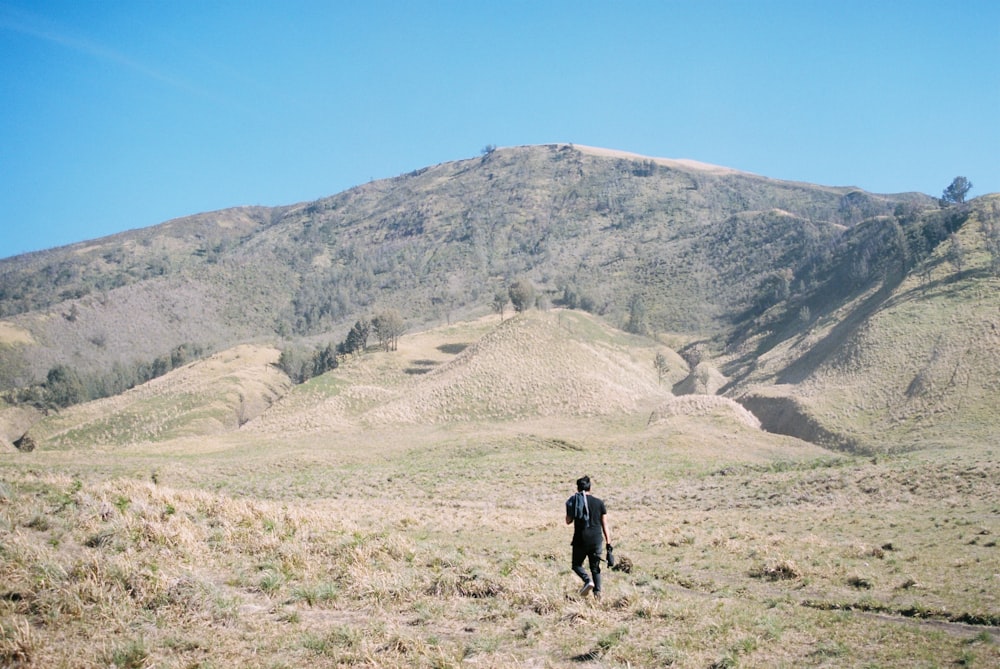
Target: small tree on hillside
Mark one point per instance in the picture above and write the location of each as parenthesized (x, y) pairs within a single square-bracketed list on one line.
[(636, 323), (290, 362), (63, 386), (955, 193), (324, 359), (661, 365), (357, 338), (500, 303), (522, 295), (956, 253), (387, 328)]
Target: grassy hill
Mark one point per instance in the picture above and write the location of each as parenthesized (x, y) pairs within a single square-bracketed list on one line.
[(203, 398), (358, 520), (696, 244), (910, 362), (797, 447)]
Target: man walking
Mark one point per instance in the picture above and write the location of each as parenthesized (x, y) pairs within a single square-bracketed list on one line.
[(590, 526)]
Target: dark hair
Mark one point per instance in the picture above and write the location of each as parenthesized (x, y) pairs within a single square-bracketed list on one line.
[(583, 484)]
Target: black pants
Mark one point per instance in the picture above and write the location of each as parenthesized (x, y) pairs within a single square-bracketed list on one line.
[(592, 552)]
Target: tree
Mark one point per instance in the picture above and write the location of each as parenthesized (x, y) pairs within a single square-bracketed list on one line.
[(522, 295), (956, 192), (570, 298), (387, 328), (290, 362), (661, 365), (63, 386), (500, 303), (324, 359), (956, 253), (357, 338), (636, 316)]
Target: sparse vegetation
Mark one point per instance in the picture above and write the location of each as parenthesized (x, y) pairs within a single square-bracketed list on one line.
[(258, 544), (693, 243), (402, 508), (735, 545)]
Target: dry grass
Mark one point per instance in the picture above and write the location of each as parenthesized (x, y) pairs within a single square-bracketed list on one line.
[(436, 547), (921, 368), (215, 395), (317, 535)]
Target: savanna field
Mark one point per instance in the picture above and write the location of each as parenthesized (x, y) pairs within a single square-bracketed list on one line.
[(358, 521), (786, 395)]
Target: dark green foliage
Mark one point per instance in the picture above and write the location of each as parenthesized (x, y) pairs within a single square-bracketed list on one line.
[(357, 338), (300, 367), (573, 298), (65, 386), (956, 191), (570, 299), (774, 288), (324, 360), (290, 362)]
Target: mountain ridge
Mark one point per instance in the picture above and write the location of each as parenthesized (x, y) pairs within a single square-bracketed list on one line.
[(735, 268)]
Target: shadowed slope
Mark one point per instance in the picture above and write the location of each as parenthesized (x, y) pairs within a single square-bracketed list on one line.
[(203, 398), (913, 362)]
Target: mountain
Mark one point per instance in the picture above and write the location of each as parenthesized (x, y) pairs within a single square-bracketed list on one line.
[(837, 315)]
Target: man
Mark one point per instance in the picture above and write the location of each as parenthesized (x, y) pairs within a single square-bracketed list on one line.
[(590, 525)]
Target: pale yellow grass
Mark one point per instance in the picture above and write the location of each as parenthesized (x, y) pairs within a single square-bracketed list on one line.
[(12, 335), (348, 541), (446, 547), (206, 397)]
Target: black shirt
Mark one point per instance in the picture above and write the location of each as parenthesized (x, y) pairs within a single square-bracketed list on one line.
[(590, 532)]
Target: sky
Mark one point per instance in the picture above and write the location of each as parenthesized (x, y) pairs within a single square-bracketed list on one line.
[(121, 114)]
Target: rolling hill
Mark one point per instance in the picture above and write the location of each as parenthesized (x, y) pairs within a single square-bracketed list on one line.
[(834, 315), (796, 440)]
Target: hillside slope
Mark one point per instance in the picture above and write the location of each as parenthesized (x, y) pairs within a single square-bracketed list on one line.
[(910, 362), (201, 399), (693, 244), (857, 321), (564, 365)]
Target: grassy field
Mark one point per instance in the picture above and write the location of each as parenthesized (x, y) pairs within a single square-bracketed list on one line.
[(446, 547), (358, 522)]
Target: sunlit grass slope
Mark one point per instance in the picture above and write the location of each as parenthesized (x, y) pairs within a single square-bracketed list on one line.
[(336, 530)]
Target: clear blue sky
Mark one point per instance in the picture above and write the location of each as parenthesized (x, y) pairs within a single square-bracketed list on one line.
[(119, 114)]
